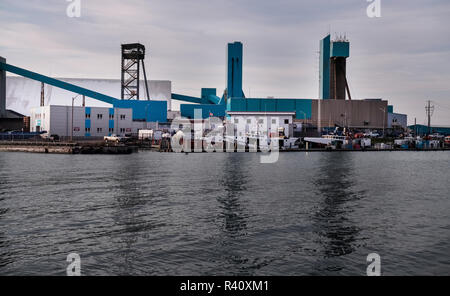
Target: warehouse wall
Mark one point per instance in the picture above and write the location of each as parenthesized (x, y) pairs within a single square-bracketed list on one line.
[(356, 113), (22, 93), (397, 120), (57, 120), (302, 107)]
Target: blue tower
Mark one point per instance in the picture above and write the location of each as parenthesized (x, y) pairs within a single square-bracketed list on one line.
[(234, 73), (332, 77), (324, 75)]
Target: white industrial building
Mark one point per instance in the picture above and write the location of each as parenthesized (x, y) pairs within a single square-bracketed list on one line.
[(23, 93), (397, 120), (87, 121), (96, 121), (261, 123)]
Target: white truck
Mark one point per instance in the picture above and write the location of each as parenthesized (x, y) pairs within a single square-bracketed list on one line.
[(114, 138)]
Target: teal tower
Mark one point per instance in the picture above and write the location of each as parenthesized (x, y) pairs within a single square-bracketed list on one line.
[(234, 72)]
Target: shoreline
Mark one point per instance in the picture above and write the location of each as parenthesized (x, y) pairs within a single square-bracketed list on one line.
[(65, 148), (102, 148)]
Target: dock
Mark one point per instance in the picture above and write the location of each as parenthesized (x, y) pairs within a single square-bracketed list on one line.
[(65, 147)]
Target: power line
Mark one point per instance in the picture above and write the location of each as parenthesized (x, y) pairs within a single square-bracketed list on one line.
[(442, 106)]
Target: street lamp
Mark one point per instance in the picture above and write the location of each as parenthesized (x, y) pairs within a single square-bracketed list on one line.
[(71, 132)]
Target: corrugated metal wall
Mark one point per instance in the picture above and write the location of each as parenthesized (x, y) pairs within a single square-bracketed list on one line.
[(356, 113)]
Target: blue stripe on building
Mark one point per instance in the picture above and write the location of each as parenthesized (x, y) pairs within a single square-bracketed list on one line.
[(87, 122), (302, 107)]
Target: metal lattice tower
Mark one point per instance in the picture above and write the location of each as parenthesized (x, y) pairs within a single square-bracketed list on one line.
[(132, 57)]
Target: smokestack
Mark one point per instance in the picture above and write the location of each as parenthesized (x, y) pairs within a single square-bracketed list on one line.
[(2, 90)]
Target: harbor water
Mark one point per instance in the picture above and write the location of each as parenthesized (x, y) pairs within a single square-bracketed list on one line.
[(155, 213)]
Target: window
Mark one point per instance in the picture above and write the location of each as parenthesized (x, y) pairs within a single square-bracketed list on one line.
[(122, 130), (88, 115), (274, 121), (260, 121), (99, 130), (122, 116), (249, 121), (87, 130), (111, 130), (99, 116), (111, 116), (236, 121), (286, 121)]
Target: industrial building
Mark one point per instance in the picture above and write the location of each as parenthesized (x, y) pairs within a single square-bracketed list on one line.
[(23, 93), (87, 121), (13, 121), (261, 123), (9, 119), (142, 110), (334, 107), (20, 87), (396, 120), (423, 130)]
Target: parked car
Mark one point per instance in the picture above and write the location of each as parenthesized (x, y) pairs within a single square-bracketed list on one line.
[(114, 138), (372, 134), (48, 137)]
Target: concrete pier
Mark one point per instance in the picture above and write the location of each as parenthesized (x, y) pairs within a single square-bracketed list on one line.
[(64, 148)]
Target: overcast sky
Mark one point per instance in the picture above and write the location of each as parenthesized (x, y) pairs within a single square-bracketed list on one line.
[(403, 57)]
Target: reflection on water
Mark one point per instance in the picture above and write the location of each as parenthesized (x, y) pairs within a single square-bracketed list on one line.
[(232, 214), (130, 198), (335, 230), (233, 182), (224, 214), (5, 255)]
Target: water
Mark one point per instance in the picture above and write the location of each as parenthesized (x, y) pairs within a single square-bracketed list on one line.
[(225, 214)]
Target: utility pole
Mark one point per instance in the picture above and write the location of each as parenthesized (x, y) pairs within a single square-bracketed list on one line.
[(71, 132), (384, 119), (415, 126), (42, 94), (430, 111)]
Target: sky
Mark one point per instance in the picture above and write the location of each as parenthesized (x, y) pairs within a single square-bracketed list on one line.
[(402, 56)]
